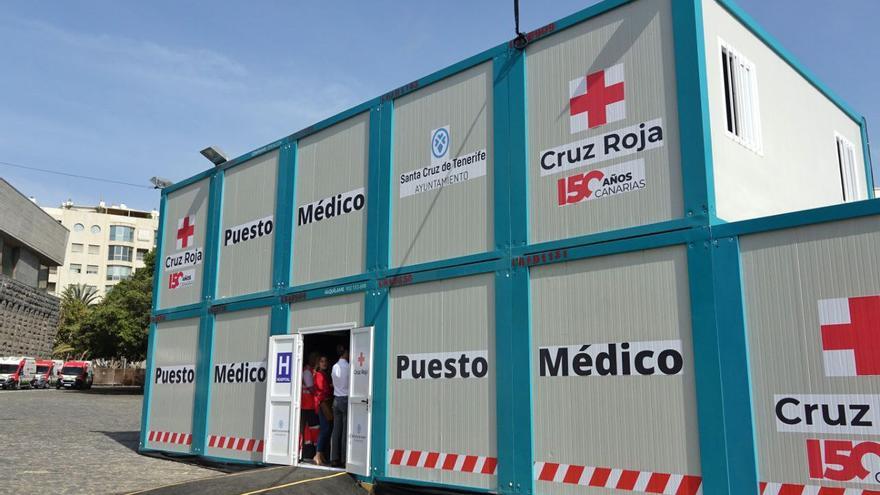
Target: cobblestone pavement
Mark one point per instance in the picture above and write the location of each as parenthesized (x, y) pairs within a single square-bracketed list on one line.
[(71, 442)]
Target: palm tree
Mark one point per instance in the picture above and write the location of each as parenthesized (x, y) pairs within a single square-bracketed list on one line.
[(79, 293), (62, 351)]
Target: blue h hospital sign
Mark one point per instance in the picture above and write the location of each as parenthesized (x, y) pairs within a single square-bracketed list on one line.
[(282, 367)]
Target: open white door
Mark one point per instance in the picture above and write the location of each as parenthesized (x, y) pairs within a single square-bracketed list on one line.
[(359, 397), (281, 421)]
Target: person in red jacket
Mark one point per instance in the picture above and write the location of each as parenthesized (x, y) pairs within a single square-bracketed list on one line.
[(308, 415), (323, 399)]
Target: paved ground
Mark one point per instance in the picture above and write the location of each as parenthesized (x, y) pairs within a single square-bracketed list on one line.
[(65, 441), (280, 480), (85, 442)]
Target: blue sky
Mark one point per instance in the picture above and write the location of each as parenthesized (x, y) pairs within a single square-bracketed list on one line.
[(128, 90)]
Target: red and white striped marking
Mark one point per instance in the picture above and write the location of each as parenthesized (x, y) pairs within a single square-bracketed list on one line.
[(797, 489), (621, 479), (170, 437), (235, 443), (460, 463)]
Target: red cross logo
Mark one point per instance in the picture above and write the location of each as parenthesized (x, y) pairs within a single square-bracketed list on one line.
[(361, 360), (186, 229), (852, 335), (597, 99)]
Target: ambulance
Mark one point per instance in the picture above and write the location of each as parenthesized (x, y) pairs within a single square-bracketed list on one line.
[(75, 374), (47, 373), (17, 372)]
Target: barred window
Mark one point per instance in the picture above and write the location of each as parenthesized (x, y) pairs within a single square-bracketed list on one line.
[(741, 98)]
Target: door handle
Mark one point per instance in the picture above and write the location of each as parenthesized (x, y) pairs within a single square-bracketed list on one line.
[(365, 401)]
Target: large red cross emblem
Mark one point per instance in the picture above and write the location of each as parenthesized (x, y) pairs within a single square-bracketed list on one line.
[(595, 101), (361, 360), (185, 232), (861, 335)]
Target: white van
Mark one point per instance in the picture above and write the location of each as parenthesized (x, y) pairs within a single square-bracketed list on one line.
[(17, 372)]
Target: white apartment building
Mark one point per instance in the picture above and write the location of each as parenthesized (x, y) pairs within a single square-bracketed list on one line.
[(106, 244)]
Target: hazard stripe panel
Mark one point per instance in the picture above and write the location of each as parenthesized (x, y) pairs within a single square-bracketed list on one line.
[(460, 463), (170, 437), (235, 443), (768, 488), (620, 479)]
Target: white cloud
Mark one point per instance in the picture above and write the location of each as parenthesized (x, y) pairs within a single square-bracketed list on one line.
[(128, 108)]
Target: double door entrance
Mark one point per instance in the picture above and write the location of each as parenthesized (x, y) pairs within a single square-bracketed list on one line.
[(282, 429)]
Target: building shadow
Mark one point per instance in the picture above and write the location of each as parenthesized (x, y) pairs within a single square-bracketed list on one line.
[(128, 439)]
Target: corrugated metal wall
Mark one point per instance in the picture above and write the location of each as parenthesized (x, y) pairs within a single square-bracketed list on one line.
[(331, 163), (246, 237), (637, 37), (180, 277), (173, 388), (238, 393), (795, 281), (455, 415), (635, 422), (433, 223), (337, 310)]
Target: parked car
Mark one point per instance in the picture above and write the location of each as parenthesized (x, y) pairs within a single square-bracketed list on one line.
[(47, 374), (17, 372), (76, 374)]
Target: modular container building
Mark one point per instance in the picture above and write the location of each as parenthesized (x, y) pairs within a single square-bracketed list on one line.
[(616, 259)]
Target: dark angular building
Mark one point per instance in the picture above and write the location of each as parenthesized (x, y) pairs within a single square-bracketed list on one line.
[(31, 241)]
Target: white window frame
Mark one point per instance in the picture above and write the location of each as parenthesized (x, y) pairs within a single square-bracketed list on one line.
[(111, 273), (128, 229), (851, 186), (112, 254), (742, 86)]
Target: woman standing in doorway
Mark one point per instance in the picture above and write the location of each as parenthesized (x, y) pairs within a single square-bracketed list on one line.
[(308, 409), (324, 406)]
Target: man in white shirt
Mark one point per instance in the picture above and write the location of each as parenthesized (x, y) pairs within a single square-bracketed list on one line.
[(340, 376)]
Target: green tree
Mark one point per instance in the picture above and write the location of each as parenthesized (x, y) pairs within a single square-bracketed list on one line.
[(77, 300), (119, 326)]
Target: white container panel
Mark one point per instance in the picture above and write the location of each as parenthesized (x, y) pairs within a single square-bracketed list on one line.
[(173, 385), (603, 125), (627, 407), (238, 385), (183, 245), (442, 382), (812, 304), (247, 235)]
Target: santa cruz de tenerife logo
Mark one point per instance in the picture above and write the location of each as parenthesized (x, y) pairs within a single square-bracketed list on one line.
[(440, 143), (444, 169)]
